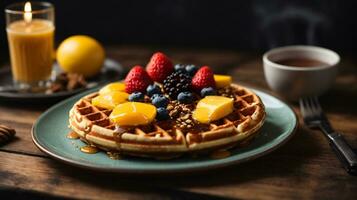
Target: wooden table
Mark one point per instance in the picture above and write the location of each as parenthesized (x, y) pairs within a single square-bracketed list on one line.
[(304, 168)]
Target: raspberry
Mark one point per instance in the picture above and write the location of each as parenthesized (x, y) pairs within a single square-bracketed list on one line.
[(202, 79), (137, 80), (159, 67)]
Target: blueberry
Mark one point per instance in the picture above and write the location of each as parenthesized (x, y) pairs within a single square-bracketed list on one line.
[(191, 69), (179, 67), (160, 101), (154, 96), (162, 114), (185, 97), (136, 96), (208, 91), (153, 89)]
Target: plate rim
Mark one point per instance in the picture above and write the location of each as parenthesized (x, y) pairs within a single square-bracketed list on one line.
[(90, 166)]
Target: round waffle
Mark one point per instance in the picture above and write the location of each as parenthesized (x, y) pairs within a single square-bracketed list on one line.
[(163, 139)]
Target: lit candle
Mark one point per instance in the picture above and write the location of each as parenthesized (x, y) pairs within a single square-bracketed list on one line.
[(28, 14), (31, 42)]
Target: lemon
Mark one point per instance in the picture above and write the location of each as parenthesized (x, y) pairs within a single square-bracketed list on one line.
[(81, 54)]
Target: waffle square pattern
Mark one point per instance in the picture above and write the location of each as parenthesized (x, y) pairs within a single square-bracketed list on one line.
[(163, 139)]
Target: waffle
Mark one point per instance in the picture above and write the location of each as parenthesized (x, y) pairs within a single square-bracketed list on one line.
[(163, 139)]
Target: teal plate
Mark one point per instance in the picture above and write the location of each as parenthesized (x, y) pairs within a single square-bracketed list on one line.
[(50, 130)]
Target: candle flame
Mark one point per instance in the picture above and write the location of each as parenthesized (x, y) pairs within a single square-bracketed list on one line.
[(27, 14)]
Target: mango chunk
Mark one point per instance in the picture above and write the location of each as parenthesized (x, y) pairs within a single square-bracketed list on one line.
[(133, 114), (212, 108), (109, 100), (222, 80), (116, 86)]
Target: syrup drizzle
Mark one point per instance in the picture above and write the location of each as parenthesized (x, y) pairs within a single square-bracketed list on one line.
[(89, 149), (72, 135), (118, 131)]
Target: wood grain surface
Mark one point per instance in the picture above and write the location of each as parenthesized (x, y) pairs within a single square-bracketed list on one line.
[(304, 168)]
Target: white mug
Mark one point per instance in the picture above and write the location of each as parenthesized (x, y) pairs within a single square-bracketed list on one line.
[(294, 82)]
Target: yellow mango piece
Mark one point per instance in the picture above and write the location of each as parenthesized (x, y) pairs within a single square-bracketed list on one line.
[(222, 80), (117, 86), (109, 100), (133, 114), (212, 108)]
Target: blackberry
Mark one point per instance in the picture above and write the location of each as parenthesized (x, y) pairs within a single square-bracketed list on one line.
[(177, 82)]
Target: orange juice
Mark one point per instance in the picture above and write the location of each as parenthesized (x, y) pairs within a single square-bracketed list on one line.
[(31, 50)]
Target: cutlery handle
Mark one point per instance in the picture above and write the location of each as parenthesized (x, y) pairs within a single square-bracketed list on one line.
[(344, 152)]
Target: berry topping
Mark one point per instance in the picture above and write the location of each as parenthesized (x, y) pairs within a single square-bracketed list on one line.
[(136, 96), (153, 89), (191, 70), (154, 96), (159, 67), (185, 97), (179, 67), (203, 78), (160, 101), (177, 82), (137, 80), (208, 91), (162, 114)]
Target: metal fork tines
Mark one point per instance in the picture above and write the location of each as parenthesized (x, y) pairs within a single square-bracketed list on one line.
[(314, 117), (313, 114)]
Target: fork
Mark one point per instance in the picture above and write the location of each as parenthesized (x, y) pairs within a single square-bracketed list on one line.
[(314, 117)]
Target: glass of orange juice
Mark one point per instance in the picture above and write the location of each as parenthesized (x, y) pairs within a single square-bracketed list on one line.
[(30, 33)]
